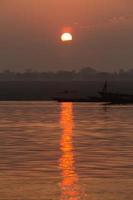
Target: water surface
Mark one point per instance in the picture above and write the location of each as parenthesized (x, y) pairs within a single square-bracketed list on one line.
[(51, 151)]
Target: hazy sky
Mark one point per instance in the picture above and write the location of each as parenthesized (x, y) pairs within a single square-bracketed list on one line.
[(30, 34)]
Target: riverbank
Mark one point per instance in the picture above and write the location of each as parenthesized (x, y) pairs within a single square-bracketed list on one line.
[(47, 90)]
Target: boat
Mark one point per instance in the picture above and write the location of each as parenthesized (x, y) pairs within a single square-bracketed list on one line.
[(88, 99), (104, 96), (115, 98), (67, 96)]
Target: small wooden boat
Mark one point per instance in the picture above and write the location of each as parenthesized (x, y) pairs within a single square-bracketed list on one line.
[(105, 96), (67, 96), (88, 99), (115, 98)]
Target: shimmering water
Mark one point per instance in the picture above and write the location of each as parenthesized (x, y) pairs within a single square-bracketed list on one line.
[(51, 151)]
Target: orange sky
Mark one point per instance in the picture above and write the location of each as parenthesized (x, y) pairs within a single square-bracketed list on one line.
[(102, 32)]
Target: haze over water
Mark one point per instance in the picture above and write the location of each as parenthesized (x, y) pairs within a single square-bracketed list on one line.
[(51, 151)]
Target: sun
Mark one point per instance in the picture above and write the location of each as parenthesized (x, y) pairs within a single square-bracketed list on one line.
[(66, 37)]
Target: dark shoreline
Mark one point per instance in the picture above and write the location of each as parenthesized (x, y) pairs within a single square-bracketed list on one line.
[(48, 90)]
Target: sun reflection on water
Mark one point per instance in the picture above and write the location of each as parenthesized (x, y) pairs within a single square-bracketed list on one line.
[(69, 184)]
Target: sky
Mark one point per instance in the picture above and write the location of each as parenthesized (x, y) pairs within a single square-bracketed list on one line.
[(30, 33)]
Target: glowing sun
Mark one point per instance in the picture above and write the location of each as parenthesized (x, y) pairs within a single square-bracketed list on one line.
[(66, 37)]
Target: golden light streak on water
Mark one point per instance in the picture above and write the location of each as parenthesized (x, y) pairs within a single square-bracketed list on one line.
[(69, 185)]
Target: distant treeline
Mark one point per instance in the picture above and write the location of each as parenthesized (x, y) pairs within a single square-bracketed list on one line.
[(84, 74)]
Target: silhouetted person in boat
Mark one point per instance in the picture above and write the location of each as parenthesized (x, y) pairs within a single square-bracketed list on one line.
[(104, 90)]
